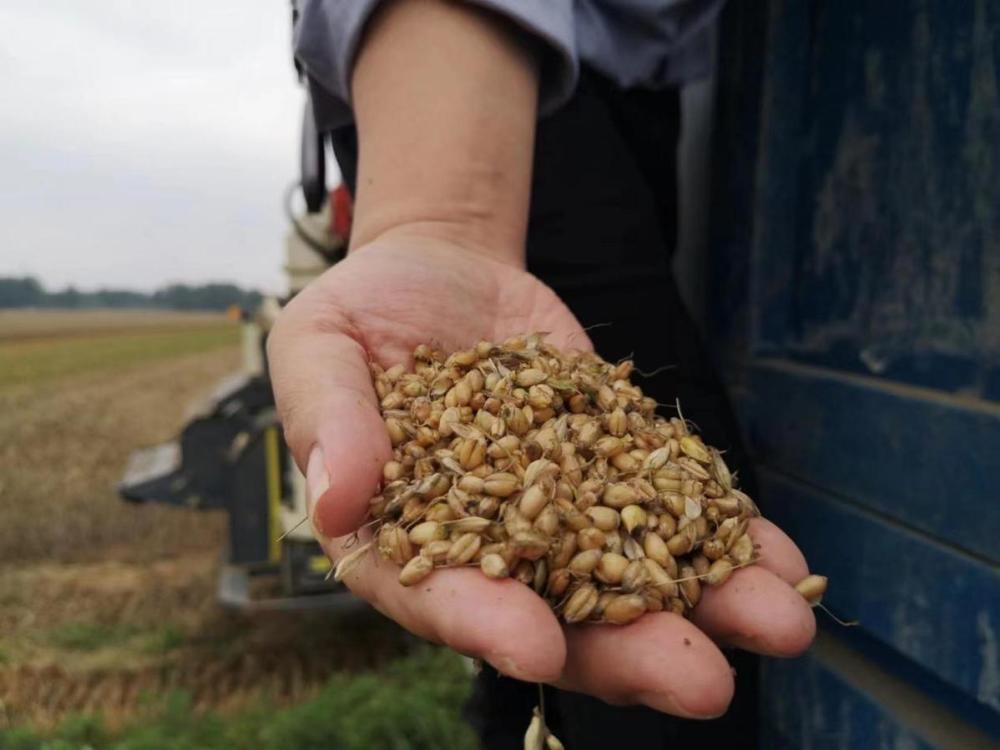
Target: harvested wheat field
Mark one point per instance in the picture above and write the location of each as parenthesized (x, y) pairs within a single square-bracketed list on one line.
[(105, 606)]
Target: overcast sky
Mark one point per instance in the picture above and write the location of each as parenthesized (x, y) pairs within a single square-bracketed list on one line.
[(142, 143)]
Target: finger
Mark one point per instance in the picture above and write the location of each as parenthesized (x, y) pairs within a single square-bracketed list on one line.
[(501, 621), (778, 553), (661, 660), (329, 413), (757, 611)]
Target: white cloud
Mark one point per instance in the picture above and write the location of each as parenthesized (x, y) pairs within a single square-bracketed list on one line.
[(142, 143)]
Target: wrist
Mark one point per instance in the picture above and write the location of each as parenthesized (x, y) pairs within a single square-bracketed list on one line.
[(442, 229), (442, 234)]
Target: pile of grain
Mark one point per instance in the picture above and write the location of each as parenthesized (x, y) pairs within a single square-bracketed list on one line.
[(553, 468)]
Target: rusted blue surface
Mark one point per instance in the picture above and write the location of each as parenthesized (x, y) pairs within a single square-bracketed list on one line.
[(856, 310)]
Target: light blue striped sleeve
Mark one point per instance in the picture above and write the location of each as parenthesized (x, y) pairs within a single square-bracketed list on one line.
[(328, 33)]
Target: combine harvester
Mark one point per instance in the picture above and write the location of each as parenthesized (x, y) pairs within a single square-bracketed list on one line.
[(230, 456)]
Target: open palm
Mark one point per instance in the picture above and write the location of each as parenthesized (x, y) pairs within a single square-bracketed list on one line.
[(377, 306)]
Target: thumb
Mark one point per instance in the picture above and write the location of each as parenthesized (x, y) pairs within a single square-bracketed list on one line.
[(329, 412)]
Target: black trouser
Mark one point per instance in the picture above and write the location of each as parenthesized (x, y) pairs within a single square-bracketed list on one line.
[(601, 233)]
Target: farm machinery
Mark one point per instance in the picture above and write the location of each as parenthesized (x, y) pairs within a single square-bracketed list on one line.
[(230, 455)]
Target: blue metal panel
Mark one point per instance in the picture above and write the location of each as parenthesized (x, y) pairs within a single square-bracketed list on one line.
[(836, 699), (924, 459), (778, 166), (896, 263), (870, 238), (810, 708), (933, 604), (856, 297)]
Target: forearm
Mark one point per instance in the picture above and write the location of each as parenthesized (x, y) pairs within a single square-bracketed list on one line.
[(445, 101)]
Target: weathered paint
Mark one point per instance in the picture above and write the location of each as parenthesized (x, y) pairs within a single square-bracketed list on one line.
[(874, 213), (856, 307), (898, 228), (837, 699), (988, 690), (919, 598), (918, 456)]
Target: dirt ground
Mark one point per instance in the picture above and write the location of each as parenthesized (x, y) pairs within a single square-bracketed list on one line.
[(35, 324), (104, 605)]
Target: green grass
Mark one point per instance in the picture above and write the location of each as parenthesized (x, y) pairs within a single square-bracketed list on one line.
[(78, 636), (414, 704), (164, 640), (87, 637), (48, 359)]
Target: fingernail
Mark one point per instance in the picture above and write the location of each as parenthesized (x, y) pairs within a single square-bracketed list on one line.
[(506, 666), (670, 706), (317, 483)]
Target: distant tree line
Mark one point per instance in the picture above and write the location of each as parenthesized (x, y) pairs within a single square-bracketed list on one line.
[(26, 291)]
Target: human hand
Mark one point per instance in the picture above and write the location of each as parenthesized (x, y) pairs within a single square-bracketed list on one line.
[(377, 306)]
